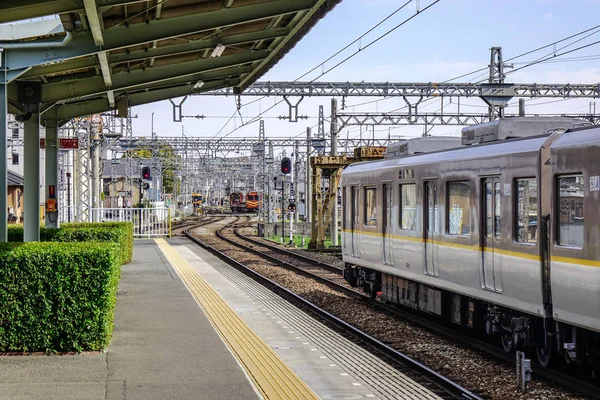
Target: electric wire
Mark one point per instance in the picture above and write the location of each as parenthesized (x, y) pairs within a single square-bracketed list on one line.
[(547, 58), (256, 118)]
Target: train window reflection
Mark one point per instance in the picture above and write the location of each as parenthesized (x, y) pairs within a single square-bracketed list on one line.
[(526, 215), (497, 209), (459, 208), (345, 207), (488, 209), (370, 206), (570, 209), (408, 211)]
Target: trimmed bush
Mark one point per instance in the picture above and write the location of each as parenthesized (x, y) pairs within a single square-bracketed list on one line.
[(56, 297), (15, 233), (117, 232)]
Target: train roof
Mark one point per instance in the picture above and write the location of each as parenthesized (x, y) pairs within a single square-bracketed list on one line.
[(579, 137), (486, 150), (517, 127), (572, 137)]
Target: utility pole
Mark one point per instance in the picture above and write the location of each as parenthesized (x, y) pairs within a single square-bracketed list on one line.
[(283, 208), (271, 211), (95, 159), (264, 194), (307, 184), (296, 175), (334, 218)]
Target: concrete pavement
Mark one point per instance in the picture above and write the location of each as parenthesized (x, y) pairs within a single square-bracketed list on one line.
[(163, 347)]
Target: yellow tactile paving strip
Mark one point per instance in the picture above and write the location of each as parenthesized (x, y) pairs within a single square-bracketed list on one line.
[(269, 373)]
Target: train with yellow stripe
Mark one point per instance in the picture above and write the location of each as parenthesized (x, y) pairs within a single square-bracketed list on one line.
[(500, 237), (197, 201)]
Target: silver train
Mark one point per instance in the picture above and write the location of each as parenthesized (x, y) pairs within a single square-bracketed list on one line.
[(501, 237)]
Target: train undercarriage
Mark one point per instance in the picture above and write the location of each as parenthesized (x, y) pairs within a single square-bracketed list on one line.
[(550, 340)]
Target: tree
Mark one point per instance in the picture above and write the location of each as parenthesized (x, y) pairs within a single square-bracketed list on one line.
[(170, 162)]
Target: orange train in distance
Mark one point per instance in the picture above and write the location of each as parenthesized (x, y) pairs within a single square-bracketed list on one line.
[(249, 203)]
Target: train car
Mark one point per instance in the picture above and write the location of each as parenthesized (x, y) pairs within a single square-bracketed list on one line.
[(253, 201), (236, 202), (197, 201), (501, 237)]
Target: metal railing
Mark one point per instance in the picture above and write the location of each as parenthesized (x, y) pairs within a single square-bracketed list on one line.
[(147, 222)]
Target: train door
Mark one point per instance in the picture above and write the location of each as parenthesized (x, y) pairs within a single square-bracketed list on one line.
[(431, 230), (490, 235), (354, 220), (387, 223)]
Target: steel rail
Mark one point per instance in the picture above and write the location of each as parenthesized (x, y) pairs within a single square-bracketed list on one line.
[(332, 268), (439, 380), (565, 380)]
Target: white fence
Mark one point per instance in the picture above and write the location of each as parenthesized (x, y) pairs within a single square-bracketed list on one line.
[(147, 222)]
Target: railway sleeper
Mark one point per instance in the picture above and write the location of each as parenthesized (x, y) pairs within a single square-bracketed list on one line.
[(515, 330)]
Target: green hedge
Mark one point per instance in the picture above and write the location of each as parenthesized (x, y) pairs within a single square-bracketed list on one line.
[(118, 232), (56, 297)]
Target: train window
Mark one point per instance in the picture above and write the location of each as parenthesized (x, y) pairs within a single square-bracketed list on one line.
[(459, 208), (408, 204), (345, 207), (526, 213), (354, 194), (371, 206), (570, 209), (497, 209), (488, 210)]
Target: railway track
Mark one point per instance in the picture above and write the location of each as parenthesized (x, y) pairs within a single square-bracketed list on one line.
[(443, 386), (278, 249), (258, 247), (327, 275)]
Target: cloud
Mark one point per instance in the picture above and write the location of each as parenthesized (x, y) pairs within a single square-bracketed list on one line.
[(548, 16)]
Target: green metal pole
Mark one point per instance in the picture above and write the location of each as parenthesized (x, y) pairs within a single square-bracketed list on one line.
[(3, 156), (31, 221), (52, 146)]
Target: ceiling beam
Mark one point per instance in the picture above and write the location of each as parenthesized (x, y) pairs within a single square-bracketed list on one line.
[(118, 37), (111, 98), (80, 109), (67, 90), (305, 18), (89, 62), (105, 68), (91, 12), (121, 36), (202, 76), (16, 10)]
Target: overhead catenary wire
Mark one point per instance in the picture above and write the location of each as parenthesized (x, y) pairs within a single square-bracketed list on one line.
[(507, 60), (257, 118), (424, 103)]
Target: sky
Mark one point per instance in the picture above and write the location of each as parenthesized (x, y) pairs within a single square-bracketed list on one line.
[(451, 38)]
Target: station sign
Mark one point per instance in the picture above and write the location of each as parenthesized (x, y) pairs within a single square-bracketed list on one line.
[(64, 143)]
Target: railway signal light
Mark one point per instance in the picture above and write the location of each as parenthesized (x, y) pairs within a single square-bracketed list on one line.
[(286, 166), (146, 173)]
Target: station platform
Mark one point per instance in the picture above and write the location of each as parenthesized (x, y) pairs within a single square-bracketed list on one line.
[(189, 326)]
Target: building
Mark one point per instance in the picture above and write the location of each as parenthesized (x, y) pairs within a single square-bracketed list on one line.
[(15, 197), (120, 190), (16, 161)]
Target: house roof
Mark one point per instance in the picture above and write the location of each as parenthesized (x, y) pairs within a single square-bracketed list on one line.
[(14, 179)]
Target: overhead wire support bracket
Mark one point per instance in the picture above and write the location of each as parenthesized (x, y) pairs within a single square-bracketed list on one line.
[(177, 109), (293, 114), (412, 118)]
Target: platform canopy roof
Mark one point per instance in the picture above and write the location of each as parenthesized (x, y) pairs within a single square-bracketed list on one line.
[(93, 56)]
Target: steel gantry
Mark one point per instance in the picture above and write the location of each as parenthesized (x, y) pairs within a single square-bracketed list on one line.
[(418, 89), (496, 93), (348, 119), (225, 147)]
